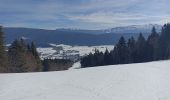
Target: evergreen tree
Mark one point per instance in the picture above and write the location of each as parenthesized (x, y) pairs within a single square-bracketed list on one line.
[(17, 57), (35, 54), (112, 57), (45, 65), (88, 61), (164, 42), (3, 56), (131, 48), (153, 44), (140, 49), (107, 58), (29, 47), (98, 58), (21, 59), (121, 54), (33, 50), (155, 48)]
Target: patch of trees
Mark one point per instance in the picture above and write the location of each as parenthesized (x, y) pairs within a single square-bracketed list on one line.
[(56, 64), (3, 54), (155, 47), (23, 57)]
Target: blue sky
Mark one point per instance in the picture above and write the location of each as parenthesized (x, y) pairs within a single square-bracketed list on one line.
[(82, 14)]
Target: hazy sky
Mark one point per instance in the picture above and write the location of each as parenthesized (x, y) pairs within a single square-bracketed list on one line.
[(84, 14)]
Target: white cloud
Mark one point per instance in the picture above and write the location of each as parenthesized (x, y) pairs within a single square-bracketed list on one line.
[(83, 13), (109, 17), (164, 20)]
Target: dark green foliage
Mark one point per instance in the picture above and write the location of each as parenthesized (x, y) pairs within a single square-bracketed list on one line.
[(35, 54), (98, 58), (140, 49), (120, 55), (33, 50), (95, 59), (17, 59), (156, 47), (88, 60), (131, 48), (22, 58), (107, 58), (56, 64), (3, 56), (153, 44), (164, 42), (121, 52)]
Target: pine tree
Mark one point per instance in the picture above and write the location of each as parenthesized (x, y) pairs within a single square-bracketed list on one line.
[(35, 54), (98, 58), (121, 54), (33, 50), (156, 47), (22, 59), (140, 51), (153, 44), (88, 61), (3, 56), (107, 58), (28, 47), (17, 57), (131, 48), (164, 42)]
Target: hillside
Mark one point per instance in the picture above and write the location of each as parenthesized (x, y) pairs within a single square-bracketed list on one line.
[(143, 81)]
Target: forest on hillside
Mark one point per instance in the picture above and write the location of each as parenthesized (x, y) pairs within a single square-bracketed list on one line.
[(155, 47), (23, 57)]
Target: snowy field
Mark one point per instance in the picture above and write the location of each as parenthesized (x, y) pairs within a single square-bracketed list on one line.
[(144, 81), (58, 51)]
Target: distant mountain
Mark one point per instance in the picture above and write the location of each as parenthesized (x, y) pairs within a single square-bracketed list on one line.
[(134, 29), (77, 31), (43, 37)]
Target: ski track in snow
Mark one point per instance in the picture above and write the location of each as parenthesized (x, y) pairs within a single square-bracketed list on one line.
[(143, 81)]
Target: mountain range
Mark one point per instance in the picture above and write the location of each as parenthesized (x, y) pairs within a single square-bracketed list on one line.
[(134, 29), (43, 37)]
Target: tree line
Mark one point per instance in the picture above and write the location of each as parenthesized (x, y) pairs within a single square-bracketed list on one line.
[(19, 57), (155, 47), (23, 57), (56, 64)]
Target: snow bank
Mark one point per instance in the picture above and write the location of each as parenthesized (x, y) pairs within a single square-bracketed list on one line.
[(76, 65), (144, 81)]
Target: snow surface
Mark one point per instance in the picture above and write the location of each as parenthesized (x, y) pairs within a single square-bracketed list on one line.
[(76, 65), (57, 51), (144, 81)]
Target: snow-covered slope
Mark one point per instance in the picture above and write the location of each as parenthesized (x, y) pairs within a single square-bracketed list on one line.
[(145, 81)]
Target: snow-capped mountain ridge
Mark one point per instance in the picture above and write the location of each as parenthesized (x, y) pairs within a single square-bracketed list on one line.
[(77, 37), (134, 29)]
